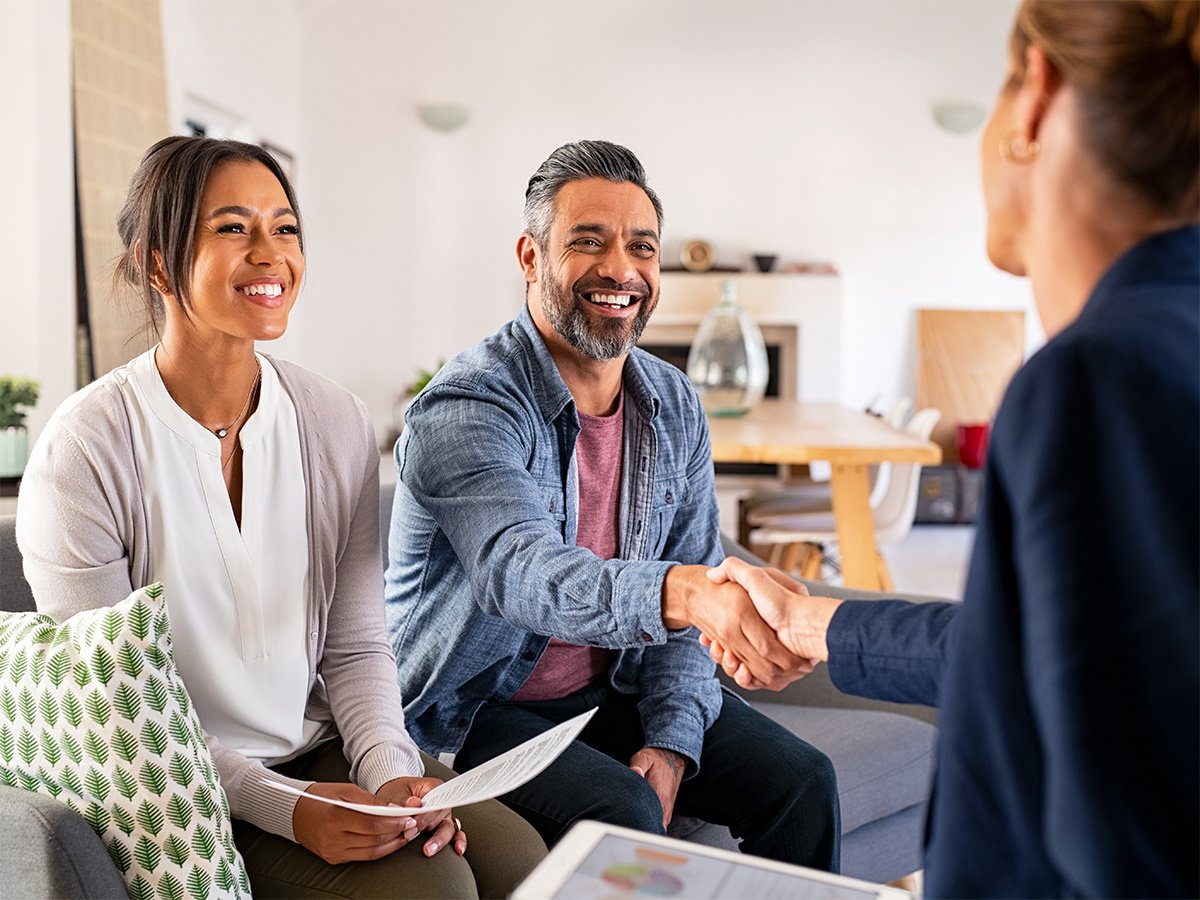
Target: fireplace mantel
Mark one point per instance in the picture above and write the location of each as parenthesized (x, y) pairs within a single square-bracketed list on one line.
[(804, 311)]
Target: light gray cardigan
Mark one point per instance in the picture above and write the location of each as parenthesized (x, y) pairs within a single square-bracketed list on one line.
[(81, 528)]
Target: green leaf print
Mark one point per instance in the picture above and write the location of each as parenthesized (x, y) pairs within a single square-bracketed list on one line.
[(205, 805), (72, 709), (170, 887), (176, 850), (114, 623), (179, 812), (51, 749), (126, 701), (96, 748), (37, 662), (154, 737), (82, 674), (123, 819), (8, 744), (182, 770), (154, 591), (203, 842), (119, 853), (140, 889), (98, 784), (26, 746), (103, 665), (153, 778), (8, 704), (150, 817), (48, 707), (155, 694), (124, 744), (199, 883), (19, 664), (147, 854), (130, 659), (156, 658), (71, 748), (28, 706), (179, 729), (28, 782), (225, 879), (69, 779), (9, 777), (125, 783), (98, 817), (59, 666), (48, 782), (98, 707), (5, 654), (139, 618)]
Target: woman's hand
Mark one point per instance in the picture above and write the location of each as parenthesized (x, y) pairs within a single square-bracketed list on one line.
[(408, 793), (339, 835)]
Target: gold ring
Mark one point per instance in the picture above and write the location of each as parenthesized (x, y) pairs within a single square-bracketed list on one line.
[(457, 823)]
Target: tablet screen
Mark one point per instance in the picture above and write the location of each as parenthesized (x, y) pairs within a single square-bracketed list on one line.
[(619, 867)]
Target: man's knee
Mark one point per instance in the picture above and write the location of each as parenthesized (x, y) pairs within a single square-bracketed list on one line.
[(629, 801)]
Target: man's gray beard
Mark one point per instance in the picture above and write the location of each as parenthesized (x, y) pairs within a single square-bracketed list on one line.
[(567, 316)]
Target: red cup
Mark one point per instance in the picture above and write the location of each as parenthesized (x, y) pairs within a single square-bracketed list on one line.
[(972, 444)]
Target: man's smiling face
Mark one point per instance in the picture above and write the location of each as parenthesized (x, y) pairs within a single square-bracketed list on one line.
[(598, 275)]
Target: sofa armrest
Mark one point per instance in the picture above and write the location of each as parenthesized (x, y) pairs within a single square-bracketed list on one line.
[(817, 689), (47, 850)]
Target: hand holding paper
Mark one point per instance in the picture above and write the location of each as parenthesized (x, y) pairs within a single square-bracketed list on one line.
[(497, 776)]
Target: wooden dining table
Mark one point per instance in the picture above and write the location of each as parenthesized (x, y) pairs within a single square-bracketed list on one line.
[(795, 432)]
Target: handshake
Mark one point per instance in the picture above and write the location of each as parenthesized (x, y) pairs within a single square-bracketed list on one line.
[(759, 625)]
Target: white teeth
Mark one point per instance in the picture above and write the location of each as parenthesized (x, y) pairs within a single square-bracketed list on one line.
[(265, 290), (620, 301)]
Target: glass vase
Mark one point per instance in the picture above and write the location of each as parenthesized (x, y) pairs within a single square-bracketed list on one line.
[(727, 363)]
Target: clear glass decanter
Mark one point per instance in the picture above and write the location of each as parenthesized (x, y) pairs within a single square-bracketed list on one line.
[(727, 363)]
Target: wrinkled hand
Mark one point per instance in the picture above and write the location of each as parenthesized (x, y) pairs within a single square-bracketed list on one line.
[(800, 621), (408, 793), (722, 610), (339, 835), (663, 769)]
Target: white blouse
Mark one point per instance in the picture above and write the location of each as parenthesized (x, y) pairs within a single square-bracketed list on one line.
[(237, 598)]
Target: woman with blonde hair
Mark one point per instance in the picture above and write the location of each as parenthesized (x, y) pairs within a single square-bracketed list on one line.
[(1069, 677)]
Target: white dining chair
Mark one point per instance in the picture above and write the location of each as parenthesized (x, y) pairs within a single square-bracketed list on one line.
[(803, 541)]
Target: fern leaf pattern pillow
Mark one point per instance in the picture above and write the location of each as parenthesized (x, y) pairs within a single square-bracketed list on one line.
[(94, 713)]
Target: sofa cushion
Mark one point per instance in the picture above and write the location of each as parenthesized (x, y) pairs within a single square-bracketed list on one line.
[(93, 712), (884, 761)]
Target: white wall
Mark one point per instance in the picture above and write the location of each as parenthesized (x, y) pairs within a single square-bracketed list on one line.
[(37, 250), (798, 128)]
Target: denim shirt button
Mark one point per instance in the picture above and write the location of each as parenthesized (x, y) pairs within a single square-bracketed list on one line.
[(646, 637), (669, 497)]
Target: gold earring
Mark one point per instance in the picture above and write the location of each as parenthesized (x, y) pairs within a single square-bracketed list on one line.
[(1016, 148)]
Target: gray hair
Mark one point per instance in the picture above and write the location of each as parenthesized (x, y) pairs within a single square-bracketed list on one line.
[(575, 162)]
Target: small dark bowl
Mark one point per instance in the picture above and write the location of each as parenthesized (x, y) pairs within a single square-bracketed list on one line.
[(765, 262)]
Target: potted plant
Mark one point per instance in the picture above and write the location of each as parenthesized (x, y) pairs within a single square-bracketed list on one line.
[(406, 397), (17, 395)]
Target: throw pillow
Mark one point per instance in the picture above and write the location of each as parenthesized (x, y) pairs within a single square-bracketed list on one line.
[(94, 713)]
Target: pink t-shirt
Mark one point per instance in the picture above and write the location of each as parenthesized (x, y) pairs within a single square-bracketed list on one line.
[(564, 668)]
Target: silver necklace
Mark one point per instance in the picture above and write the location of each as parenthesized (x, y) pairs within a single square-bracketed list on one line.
[(222, 433)]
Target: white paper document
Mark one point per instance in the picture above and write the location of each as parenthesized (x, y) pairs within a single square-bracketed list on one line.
[(491, 779)]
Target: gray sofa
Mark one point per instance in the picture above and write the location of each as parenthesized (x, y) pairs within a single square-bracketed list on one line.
[(882, 753)]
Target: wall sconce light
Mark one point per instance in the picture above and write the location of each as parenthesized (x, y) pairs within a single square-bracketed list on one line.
[(958, 118), (443, 117)]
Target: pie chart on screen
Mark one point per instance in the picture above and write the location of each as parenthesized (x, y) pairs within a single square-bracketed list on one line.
[(636, 878)]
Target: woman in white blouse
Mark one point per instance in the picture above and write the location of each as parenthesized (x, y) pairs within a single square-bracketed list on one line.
[(249, 487)]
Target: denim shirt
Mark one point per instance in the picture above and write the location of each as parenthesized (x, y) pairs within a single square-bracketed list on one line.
[(483, 567)]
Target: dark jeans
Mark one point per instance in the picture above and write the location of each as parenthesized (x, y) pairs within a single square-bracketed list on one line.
[(777, 794)]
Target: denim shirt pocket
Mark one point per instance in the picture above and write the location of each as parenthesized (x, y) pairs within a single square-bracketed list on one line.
[(669, 495)]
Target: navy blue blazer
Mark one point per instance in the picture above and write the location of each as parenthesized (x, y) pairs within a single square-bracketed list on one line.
[(1069, 745)]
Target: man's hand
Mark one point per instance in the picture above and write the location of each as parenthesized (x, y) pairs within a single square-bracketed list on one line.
[(722, 610), (408, 793), (800, 621), (339, 835), (664, 770)]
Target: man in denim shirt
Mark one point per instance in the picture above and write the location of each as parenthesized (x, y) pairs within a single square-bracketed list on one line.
[(553, 523)]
